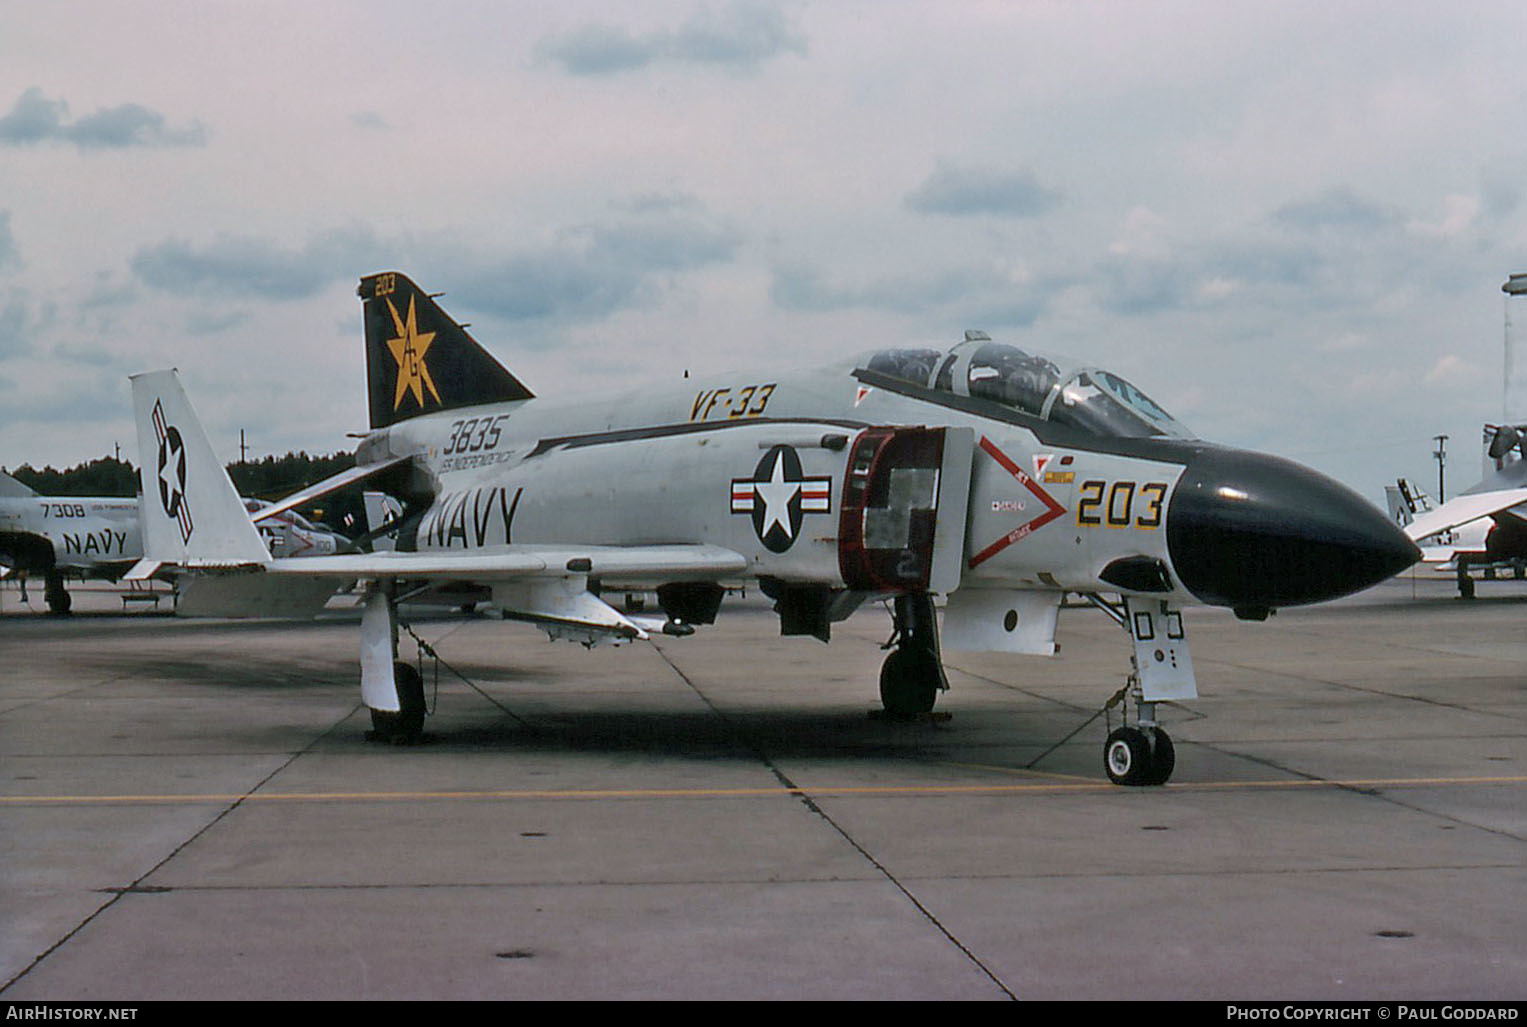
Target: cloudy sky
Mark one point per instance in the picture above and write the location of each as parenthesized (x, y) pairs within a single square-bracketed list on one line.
[(1288, 222)]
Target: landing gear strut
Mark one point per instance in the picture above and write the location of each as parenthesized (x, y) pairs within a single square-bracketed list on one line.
[(57, 595), (913, 674), (391, 688), (1142, 753)]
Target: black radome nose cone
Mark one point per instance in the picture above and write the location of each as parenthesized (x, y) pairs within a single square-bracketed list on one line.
[(1256, 532)]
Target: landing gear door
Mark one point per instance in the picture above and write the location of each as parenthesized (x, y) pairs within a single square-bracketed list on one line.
[(953, 505), (905, 499), (1161, 651)]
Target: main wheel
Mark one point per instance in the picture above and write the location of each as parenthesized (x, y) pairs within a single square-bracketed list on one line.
[(404, 726), (909, 682)]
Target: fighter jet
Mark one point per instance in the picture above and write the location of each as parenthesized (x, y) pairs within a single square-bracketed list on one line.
[(98, 537), (289, 534), (997, 478), (1486, 525), (59, 537)]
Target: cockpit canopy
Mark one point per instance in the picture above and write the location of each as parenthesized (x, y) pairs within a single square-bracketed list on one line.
[(1041, 385)]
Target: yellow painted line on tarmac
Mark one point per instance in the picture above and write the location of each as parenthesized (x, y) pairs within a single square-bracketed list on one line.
[(1045, 786)]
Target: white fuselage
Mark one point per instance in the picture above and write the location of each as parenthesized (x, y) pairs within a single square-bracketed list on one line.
[(654, 466)]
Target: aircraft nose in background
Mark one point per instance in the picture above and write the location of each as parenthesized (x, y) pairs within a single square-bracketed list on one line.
[(1256, 532)]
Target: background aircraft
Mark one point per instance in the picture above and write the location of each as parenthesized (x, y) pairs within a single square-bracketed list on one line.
[(1485, 527), (998, 478), (288, 533), (57, 537), (98, 537)]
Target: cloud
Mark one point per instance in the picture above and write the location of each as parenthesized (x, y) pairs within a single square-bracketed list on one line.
[(1459, 215), (369, 120), (35, 119), (1338, 210), (21, 324), (587, 271), (740, 36), (590, 271), (989, 192), (1147, 285), (9, 255), (1451, 369), (246, 266), (972, 297)]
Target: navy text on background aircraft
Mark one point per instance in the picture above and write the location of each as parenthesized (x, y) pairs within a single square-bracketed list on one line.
[(61, 537), (997, 478)]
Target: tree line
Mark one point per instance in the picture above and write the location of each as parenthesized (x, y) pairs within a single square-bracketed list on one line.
[(270, 478)]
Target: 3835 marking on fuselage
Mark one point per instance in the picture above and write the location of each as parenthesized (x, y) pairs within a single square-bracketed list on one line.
[(471, 443)]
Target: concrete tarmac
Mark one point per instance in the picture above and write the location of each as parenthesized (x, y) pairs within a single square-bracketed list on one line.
[(190, 810)]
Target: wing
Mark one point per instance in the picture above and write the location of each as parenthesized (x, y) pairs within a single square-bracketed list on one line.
[(1462, 510)]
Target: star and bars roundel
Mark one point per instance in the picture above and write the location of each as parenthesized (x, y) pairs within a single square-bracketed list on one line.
[(172, 472), (778, 496)]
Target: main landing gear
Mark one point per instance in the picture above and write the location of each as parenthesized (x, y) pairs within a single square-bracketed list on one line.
[(392, 689), (404, 726), (913, 674), (57, 595)]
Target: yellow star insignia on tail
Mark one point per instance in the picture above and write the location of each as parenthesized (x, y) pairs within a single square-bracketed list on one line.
[(408, 349)]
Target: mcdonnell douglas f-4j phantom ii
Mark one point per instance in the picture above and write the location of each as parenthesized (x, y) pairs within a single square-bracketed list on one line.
[(998, 478)]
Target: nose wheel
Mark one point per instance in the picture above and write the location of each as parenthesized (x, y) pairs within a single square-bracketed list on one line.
[(1138, 756)]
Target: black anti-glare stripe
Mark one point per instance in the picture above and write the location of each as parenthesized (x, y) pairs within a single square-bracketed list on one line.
[(663, 431)]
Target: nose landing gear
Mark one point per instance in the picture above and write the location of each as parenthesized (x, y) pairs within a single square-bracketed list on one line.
[(1142, 753), (1139, 756)]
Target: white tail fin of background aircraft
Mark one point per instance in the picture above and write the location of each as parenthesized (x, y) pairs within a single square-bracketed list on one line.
[(10, 488), (208, 529)]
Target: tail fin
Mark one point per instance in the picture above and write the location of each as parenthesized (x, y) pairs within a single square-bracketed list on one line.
[(1406, 501), (419, 360), (190, 513), (381, 510), (10, 488)]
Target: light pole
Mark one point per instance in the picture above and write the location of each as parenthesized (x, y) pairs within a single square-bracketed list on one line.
[(1441, 454), (1515, 285)]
